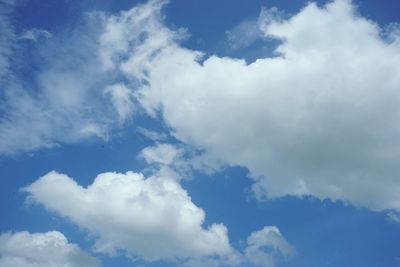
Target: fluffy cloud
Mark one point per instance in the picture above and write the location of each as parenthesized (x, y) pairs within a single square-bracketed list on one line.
[(321, 118), (151, 218), (51, 249)]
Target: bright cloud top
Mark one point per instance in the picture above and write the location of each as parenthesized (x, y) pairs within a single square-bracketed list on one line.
[(321, 118), (51, 249)]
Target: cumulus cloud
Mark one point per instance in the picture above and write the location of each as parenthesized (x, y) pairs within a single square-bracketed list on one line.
[(151, 218), (265, 248), (320, 118), (51, 249)]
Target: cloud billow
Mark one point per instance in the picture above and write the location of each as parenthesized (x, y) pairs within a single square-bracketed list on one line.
[(51, 249), (150, 219), (320, 118)]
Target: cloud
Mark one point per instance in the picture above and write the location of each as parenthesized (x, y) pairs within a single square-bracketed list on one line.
[(140, 29), (69, 98), (7, 37), (178, 160), (266, 246), (165, 154), (151, 135), (393, 217), (51, 104), (244, 34), (121, 98), (152, 218), (320, 118), (35, 35), (51, 249)]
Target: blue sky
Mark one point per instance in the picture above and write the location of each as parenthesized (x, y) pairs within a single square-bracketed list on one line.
[(199, 133)]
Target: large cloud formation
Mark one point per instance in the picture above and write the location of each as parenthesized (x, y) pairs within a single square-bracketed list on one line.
[(51, 249), (68, 98), (149, 218), (321, 118)]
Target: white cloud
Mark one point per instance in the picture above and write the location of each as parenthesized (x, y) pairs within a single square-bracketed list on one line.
[(319, 119), (70, 97), (178, 161), (165, 154), (48, 125), (173, 161), (51, 249), (140, 29), (244, 34), (35, 35), (266, 246), (121, 98), (152, 135), (151, 218)]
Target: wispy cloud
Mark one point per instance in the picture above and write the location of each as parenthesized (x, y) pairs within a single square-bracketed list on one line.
[(69, 98), (244, 34), (35, 35)]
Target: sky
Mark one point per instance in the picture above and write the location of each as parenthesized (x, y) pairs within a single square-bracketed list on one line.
[(193, 133)]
